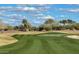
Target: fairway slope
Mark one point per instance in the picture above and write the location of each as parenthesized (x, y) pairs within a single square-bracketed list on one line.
[(38, 44)]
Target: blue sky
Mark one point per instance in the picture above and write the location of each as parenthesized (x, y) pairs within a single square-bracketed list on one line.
[(36, 14)]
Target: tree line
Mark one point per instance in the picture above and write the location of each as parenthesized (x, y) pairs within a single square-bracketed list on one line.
[(48, 25)]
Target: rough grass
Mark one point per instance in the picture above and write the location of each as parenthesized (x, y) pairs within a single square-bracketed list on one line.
[(35, 44)]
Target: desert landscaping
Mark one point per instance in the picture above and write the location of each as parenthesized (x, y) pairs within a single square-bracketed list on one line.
[(39, 42), (39, 29), (47, 38)]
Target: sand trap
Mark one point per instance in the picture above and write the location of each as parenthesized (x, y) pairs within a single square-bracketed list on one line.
[(7, 40), (73, 36)]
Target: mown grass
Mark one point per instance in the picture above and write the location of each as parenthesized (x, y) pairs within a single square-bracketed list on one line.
[(35, 44)]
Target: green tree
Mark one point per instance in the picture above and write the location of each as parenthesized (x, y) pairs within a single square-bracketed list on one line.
[(68, 22), (26, 24), (16, 27), (76, 26), (2, 25), (49, 21), (63, 22), (10, 27), (48, 24)]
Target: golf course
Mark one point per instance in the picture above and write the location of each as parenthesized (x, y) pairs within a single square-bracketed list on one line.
[(41, 43), (39, 29)]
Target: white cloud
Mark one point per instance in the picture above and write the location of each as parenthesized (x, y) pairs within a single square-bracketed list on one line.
[(16, 16), (19, 8), (61, 9), (37, 15), (3, 8), (69, 10), (24, 8), (48, 16), (2, 14), (74, 10), (29, 8), (62, 15), (6, 7), (12, 15)]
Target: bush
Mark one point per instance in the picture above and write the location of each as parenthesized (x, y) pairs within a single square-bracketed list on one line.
[(76, 26), (48, 28)]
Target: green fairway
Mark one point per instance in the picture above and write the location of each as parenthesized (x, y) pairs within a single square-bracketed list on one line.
[(38, 44)]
